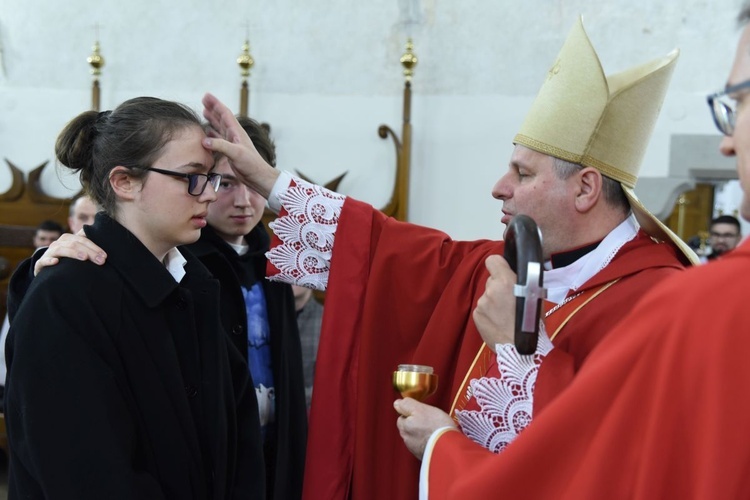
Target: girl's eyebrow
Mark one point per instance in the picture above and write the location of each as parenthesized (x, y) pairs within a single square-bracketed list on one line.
[(196, 166)]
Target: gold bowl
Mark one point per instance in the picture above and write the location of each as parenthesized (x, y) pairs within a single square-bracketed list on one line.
[(415, 381)]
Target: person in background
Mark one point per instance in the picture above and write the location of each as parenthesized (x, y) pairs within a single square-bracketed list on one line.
[(82, 211), (121, 382), (47, 232), (724, 234), (309, 319)]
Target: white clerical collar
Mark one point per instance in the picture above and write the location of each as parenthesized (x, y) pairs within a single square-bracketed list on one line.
[(560, 281), (175, 264)]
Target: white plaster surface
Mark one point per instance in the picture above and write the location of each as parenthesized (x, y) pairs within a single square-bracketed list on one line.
[(326, 75)]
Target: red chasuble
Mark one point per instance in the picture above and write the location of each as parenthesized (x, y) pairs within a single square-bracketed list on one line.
[(659, 410), (400, 293)]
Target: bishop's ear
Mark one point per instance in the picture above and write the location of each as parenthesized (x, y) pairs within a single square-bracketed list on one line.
[(589, 188)]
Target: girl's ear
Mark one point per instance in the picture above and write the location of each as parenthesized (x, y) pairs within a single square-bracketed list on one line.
[(123, 184)]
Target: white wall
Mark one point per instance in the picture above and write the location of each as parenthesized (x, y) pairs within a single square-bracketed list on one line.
[(327, 75)]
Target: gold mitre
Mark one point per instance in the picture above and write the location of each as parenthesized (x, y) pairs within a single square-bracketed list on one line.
[(582, 116)]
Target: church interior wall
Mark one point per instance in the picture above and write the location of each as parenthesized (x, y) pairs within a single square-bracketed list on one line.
[(327, 75)]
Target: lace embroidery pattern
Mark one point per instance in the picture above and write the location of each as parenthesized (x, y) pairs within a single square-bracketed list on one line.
[(306, 233), (505, 403)]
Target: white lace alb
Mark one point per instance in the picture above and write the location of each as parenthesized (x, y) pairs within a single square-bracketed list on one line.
[(306, 233), (505, 403)]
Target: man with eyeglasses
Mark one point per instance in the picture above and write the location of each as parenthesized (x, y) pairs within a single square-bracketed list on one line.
[(724, 233), (660, 408)]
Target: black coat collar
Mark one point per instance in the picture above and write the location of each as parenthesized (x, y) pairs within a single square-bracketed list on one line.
[(139, 267)]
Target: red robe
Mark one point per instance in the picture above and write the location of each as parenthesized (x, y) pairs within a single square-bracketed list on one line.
[(400, 293), (659, 410)]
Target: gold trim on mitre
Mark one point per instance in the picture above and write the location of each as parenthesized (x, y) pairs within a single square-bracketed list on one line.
[(583, 116)]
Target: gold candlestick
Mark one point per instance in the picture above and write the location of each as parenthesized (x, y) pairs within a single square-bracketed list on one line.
[(96, 61), (409, 60), (245, 61), (398, 205)]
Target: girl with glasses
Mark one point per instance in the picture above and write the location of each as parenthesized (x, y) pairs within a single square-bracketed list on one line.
[(121, 382)]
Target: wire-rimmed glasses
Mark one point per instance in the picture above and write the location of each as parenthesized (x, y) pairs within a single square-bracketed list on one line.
[(724, 113)]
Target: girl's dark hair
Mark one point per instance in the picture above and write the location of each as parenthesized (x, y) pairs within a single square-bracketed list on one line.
[(744, 16), (132, 135)]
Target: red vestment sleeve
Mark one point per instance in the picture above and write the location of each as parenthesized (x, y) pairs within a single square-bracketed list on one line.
[(397, 293), (337, 366)]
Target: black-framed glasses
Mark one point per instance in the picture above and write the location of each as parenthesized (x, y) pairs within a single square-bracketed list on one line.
[(196, 182), (723, 112)]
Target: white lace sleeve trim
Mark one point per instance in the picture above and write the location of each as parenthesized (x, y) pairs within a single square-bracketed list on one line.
[(505, 403), (306, 233)]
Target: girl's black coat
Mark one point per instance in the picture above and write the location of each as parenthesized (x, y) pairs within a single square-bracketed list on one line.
[(122, 385)]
